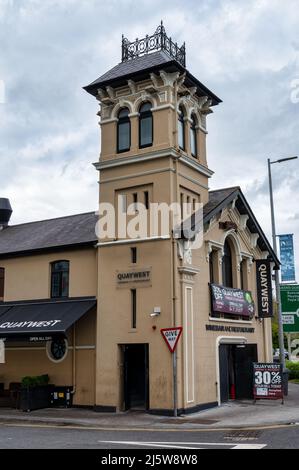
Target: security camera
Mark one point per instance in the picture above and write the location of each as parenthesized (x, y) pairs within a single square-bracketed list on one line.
[(156, 312)]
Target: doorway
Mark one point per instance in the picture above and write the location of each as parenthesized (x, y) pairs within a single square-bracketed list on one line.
[(236, 371), (136, 376)]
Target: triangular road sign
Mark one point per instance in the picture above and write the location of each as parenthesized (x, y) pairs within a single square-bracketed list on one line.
[(172, 336)]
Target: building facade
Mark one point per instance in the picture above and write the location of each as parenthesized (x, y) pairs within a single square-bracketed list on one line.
[(127, 284)]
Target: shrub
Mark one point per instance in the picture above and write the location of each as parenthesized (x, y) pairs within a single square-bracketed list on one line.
[(293, 369), (35, 380)]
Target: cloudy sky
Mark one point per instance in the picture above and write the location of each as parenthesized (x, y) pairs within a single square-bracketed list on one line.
[(247, 52)]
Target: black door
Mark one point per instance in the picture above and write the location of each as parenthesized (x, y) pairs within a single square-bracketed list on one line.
[(245, 355), (136, 376), (223, 371)]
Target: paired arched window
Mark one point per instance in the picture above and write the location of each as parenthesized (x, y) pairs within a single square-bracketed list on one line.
[(181, 128), (60, 271), (227, 266), (145, 125), (193, 137), (123, 131)]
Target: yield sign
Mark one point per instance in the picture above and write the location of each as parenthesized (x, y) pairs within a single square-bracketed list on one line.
[(172, 336)]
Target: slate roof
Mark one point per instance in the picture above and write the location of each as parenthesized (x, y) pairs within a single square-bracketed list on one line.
[(52, 234), (141, 67), (218, 200)]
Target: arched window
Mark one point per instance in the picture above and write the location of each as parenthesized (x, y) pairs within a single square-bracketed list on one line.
[(193, 136), (181, 129), (60, 279), (145, 125), (227, 266), (123, 131)]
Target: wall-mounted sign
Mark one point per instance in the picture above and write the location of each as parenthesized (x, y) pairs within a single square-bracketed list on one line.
[(232, 301), (264, 288), (135, 276), (230, 329), (171, 337), (267, 381), (289, 296), (286, 246)]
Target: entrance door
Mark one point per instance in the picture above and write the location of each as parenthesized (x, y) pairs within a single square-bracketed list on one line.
[(245, 355), (223, 371), (136, 376)]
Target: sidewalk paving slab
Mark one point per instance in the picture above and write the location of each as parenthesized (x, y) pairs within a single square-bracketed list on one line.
[(234, 414)]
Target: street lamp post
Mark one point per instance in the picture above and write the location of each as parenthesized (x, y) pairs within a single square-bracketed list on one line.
[(277, 285)]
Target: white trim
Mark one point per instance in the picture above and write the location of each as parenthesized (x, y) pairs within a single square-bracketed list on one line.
[(39, 348), (107, 121), (189, 329), (169, 152), (227, 320), (197, 166), (49, 355), (163, 106), (194, 181), (225, 340), (136, 175), (201, 128), (188, 270), (134, 240)]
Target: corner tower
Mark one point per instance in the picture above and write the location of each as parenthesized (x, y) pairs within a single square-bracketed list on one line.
[(153, 149)]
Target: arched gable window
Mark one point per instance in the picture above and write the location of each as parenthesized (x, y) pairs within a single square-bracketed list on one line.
[(145, 125), (60, 278), (181, 129), (227, 266), (123, 131), (193, 136)]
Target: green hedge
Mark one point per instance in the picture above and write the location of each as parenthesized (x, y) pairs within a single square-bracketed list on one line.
[(293, 368), (35, 380)]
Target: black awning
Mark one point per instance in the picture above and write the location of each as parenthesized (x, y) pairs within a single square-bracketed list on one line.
[(43, 318)]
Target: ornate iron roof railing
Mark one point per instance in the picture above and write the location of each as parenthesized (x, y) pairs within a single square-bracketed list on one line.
[(159, 41)]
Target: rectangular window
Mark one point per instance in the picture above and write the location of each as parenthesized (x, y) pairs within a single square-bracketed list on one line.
[(133, 307), (123, 202), (2, 276), (182, 205), (146, 199), (211, 265), (146, 131), (134, 255), (123, 137)]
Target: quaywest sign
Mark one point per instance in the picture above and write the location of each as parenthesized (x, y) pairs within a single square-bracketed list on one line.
[(264, 288), (136, 276), (28, 324)]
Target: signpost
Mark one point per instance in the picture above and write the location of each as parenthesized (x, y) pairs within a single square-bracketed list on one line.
[(171, 337), (289, 296), (267, 381)]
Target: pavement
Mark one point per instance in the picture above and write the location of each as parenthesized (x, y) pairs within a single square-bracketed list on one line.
[(234, 414)]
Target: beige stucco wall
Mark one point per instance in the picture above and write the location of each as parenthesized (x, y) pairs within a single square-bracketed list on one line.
[(28, 277)]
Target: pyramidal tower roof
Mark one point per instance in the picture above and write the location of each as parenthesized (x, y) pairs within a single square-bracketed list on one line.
[(147, 55)]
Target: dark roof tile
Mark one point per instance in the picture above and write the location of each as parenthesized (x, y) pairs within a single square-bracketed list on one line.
[(67, 231)]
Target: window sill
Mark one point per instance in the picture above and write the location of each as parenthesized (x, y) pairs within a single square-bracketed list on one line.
[(226, 320)]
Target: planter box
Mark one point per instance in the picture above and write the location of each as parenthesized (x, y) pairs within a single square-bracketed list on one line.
[(35, 398)]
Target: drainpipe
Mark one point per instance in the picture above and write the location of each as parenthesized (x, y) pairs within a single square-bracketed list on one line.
[(74, 361)]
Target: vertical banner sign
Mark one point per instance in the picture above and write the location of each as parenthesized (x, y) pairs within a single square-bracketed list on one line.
[(286, 247), (264, 288), (289, 297), (267, 381)]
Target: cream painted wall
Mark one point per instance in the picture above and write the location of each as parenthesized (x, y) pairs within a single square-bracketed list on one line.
[(28, 277)]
